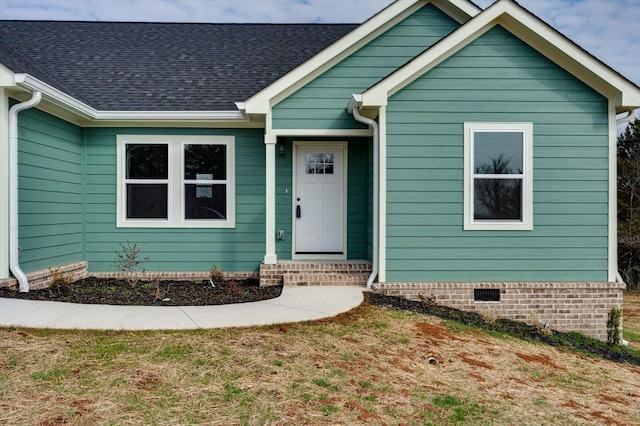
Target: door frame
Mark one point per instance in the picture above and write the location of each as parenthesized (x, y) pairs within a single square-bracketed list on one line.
[(294, 179)]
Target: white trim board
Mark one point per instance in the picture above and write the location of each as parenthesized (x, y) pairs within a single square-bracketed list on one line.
[(4, 185), (532, 31), (261, 102)]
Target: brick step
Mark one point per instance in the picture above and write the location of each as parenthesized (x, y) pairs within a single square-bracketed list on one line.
[(332, 278), (295, 273)]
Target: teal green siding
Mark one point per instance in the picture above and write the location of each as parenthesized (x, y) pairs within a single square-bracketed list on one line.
[(358, 198), (497, 78), (49, 191), (177, 249), (321, 104)]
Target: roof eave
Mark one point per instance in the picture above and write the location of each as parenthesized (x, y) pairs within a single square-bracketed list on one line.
[(85, 114)]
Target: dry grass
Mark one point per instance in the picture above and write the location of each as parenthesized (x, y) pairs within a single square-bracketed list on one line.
[(369, 366), (631, 319)]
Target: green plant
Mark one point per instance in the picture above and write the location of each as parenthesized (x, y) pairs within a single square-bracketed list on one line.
[(128, 260), (216, 275), (613, 326)]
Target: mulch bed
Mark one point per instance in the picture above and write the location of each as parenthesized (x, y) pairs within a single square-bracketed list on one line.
[(570, 341), (150, 293)]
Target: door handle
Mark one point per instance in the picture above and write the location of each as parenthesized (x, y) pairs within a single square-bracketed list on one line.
[(298, 213)]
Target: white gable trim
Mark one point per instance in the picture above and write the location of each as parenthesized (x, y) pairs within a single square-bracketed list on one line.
[(532, 31), (261, 102)]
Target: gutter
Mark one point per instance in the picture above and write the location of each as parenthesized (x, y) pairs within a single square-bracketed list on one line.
[(354, 104), (89, 113), (14, 265)]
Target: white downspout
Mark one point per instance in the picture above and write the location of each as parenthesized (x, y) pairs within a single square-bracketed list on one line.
[(14, 265), (630, 116), (376, 185)]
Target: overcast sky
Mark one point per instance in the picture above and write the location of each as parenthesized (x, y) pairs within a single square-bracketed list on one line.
[(608, 29)]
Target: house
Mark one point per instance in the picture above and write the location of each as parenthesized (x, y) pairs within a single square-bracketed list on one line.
[(435, 149)]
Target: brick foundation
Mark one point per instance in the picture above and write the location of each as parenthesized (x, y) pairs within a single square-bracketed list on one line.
[(579, 306), (44, 278), (76, 271), (294, 273)]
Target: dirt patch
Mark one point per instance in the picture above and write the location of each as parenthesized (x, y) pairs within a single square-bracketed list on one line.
[(474, 362), (540, 359), (150, 293), (477, 377), (435, 331)]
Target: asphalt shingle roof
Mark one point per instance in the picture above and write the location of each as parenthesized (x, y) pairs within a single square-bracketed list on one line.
[(159, 66)]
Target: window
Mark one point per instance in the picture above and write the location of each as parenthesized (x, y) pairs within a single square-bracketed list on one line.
[(498, 176), (176, 181)]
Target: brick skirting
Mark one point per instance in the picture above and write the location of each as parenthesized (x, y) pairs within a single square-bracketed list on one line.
[(564, 306), (44, 278), (76, 271), (298, 273)]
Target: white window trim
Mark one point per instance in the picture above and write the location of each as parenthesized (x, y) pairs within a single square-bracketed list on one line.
[(176, 182), (527, 202)]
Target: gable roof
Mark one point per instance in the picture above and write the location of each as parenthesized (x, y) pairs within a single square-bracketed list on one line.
[(261, 102), (533, 31), (112, 66)]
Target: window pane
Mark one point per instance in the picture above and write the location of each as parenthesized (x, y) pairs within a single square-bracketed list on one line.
[(146, 201), (498, 153), (205, 162), (147, 161), (497, 199), (205, 201), (319, 163)]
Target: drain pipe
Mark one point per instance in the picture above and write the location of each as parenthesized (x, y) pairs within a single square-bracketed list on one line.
[(376, 185), (14, 265), (630, 116)]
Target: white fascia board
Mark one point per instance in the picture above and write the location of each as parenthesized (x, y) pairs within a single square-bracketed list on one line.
[(88, 115), (7, 77), (261, 102), (531, 30)]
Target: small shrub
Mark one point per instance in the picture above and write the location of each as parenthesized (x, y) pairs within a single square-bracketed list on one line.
[(59, 277), (61, 282), (613, 326), (216, 275), (232, 287), (488, 316), (128, 260)]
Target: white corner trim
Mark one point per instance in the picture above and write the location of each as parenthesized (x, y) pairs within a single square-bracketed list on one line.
[(531, 30), (613, 197), (382, 197), (4, 185)]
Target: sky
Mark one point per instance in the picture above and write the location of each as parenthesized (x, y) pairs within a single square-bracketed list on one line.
[(608, 29)]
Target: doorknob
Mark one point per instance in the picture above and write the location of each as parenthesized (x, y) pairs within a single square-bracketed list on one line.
[(298, 212)]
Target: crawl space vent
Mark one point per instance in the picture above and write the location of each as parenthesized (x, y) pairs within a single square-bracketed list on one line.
[(486, 295)]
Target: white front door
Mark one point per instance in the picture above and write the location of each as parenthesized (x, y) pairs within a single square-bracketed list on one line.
[(319, 202)]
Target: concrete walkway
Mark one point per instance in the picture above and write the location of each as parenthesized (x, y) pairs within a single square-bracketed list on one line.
[(294, 304)]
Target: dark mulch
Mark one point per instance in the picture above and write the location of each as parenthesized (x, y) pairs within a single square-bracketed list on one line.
[(569, 341), (151, 293)]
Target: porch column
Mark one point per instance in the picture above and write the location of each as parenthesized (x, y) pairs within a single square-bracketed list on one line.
[(270, 257)]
